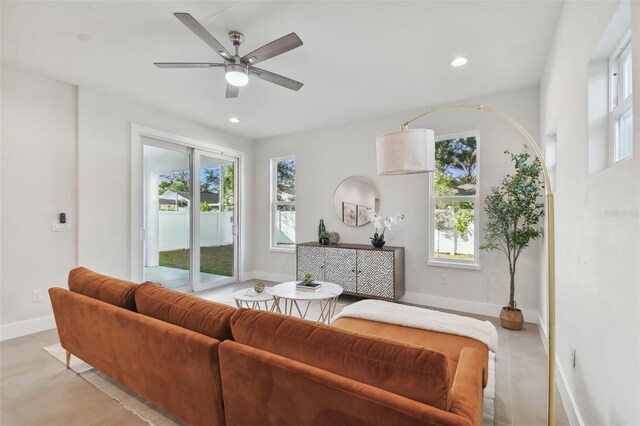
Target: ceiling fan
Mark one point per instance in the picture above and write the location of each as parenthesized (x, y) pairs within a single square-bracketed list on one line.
[(238, 69)]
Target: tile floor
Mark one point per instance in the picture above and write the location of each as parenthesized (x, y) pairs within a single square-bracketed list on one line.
[(36, 390), (521, 372)]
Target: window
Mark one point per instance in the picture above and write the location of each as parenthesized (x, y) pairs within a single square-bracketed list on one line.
[(454, 202), (621, 107), (283, 203)]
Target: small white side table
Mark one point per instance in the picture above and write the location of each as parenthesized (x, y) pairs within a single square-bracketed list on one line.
[(247, 297), (327, 296)]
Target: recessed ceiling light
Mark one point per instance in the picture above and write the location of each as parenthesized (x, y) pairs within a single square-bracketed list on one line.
[(234, 120), (458, 62)]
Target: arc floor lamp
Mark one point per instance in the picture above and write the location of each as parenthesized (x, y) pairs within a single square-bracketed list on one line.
[(413, 151)]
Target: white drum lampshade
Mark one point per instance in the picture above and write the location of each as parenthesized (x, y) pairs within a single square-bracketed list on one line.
[(406, 151)]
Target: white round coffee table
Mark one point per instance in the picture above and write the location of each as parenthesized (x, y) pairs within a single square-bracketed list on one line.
[(249, 297), (327, 296)]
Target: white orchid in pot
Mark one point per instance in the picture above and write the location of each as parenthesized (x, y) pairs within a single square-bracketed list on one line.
[(378, 223)]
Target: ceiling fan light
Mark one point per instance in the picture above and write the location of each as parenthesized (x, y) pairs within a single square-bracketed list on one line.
[(236, 75)]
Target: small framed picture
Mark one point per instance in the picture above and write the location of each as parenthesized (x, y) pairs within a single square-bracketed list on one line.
[(349, 214), (362, 215)]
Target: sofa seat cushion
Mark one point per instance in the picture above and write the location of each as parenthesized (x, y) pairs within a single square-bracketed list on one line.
[(191, 312), (102, 287), (449, 344), (416, 373)]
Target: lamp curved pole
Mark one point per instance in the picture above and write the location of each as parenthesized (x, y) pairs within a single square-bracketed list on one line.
[(551, 267)]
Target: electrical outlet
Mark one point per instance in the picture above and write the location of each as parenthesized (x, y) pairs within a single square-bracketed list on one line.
[(573, 356), (36, 296), (443, 279)]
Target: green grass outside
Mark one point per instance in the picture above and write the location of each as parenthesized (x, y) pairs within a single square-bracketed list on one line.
[(213, 260), (454, 256)]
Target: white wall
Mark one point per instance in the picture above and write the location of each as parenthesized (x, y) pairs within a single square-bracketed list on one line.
[(325, 157), (104, 131), (39, 165), (597, 232), (68, 149)]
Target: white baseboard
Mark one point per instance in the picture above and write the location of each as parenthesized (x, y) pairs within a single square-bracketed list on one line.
[(566, 396), (22, 328), (544, 335), (246, 276), (479, 308), (267, 276)]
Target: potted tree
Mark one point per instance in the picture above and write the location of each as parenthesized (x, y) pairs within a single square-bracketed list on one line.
[(514, 209)]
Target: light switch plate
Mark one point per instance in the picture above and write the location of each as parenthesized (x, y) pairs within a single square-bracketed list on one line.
[(61, 227)]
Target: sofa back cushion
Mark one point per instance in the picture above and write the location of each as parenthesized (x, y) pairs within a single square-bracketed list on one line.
[(173, 367), (102, 287), (191, 312), (410, 371)]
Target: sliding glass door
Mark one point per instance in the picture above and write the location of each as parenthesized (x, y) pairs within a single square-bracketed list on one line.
[(167, 214), (190, 220), (216, 225)]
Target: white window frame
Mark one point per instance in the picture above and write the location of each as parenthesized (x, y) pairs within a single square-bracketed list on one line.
[(453, 263), (617, 105), (273, 246)]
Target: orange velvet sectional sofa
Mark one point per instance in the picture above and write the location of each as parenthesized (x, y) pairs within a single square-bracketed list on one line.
[(211, 364)]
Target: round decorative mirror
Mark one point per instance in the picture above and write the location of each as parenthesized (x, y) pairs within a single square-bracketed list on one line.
[(353, 197)]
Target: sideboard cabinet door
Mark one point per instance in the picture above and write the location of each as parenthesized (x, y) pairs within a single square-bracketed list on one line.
[(340, 268), (360, 269), (311, 261), (375, 273)]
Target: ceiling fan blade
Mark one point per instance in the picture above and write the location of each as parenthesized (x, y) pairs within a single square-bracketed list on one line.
[(202, 32), (232, 91), (276, 78), (186, 65), (275, 48)]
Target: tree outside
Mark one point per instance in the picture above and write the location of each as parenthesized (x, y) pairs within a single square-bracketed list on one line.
[(174, 181), (214, 180), (286, 180), (210, 180), (285, 208), (226, 200)]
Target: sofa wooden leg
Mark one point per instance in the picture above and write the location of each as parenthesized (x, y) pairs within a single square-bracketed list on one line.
[(68, 359)]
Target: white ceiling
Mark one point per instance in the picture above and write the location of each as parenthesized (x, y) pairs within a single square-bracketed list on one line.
[(359, 60)]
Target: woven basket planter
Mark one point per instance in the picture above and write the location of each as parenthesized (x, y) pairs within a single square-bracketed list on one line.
[(511, 318)]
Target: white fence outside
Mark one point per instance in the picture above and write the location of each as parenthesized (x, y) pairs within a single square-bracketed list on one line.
[(173, 232), (448, 242), (285, 227)]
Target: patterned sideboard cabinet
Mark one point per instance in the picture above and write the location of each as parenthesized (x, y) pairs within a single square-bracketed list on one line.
[(361, 270)]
